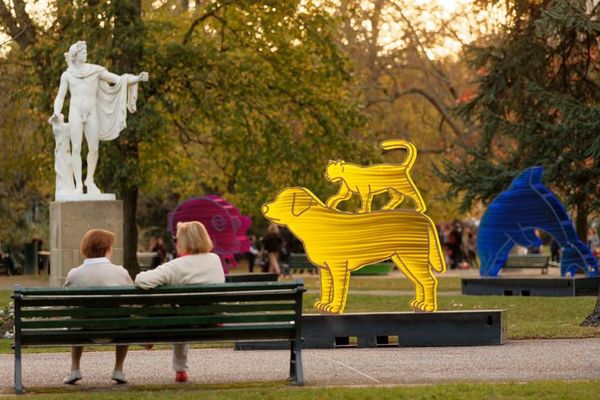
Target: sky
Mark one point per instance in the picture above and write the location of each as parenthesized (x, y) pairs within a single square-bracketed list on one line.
[(440, 10)]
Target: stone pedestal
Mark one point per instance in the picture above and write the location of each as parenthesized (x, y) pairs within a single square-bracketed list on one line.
[(69, 221)]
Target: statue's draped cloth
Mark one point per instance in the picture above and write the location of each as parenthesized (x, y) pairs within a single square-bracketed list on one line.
[(112, 101)]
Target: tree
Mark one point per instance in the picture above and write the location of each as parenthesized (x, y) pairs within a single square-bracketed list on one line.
[(406, 87), (256, 93), (245, 97), (42, 45), (537, 104), (22, 187)]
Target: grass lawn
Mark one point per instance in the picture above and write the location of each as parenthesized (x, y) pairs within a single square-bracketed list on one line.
[(5, 298), (525, 318), (539, 390)]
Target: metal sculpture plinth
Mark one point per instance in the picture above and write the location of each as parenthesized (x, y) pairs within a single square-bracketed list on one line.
[(399, 329), (551, 287)]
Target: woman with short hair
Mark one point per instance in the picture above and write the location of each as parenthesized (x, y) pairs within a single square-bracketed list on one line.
[(97, 270), (195, 264)]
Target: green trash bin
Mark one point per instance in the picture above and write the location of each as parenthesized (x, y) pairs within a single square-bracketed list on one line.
[(31, 258)]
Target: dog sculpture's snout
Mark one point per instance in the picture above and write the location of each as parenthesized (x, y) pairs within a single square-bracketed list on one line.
[(265, 209)]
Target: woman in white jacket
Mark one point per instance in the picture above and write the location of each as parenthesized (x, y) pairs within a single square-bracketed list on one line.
[(195, 264), (97, 270)]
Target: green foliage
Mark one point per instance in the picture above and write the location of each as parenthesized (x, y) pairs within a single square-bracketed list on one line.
[(26, 166), (244, 97), (254, 92), (538, 103)]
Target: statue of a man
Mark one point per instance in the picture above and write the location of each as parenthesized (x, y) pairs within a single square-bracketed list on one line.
[(98, 110)]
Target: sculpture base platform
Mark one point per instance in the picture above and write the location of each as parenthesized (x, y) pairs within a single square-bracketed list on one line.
[(499, 286), (400, 329), (85, 197), (69, 221)]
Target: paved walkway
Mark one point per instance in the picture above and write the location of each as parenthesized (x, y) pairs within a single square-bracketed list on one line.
[(517, 361)]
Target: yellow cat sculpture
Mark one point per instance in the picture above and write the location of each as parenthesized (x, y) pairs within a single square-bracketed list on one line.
[(370, 180), (339, 242)]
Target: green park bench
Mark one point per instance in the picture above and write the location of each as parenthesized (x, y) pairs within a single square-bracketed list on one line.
[(298, 262), (528, 261), (250, 311)]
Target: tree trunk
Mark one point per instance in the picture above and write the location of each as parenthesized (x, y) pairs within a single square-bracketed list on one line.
[(128, 40), (130, 197), (581, 221), (594, 318), (581, 225)]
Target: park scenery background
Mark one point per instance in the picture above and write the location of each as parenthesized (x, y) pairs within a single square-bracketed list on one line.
[(248, 97)]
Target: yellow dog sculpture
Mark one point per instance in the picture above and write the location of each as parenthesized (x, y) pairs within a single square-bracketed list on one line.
[(338, 243)]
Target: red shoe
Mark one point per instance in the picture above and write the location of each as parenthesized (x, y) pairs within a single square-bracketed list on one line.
[(181, 376)]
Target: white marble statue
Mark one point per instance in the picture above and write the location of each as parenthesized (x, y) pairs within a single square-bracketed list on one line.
[(97, 110)]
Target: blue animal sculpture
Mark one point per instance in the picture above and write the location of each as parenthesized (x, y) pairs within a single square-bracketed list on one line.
[(512, 218)]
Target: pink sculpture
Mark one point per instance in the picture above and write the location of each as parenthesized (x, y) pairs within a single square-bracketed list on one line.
[(225, 225)]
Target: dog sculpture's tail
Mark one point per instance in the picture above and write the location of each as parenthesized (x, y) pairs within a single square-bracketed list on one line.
[(410, 148), (435, 249)]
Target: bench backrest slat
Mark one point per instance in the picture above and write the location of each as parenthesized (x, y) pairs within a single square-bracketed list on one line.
[(528, 261), (132, 322), (82, 312), (165, 335), (146, 300)]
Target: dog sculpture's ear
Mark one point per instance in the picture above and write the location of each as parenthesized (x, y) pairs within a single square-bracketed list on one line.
[(299, 206)]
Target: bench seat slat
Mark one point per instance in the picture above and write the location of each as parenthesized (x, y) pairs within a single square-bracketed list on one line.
[(79, 312), (160, 321)]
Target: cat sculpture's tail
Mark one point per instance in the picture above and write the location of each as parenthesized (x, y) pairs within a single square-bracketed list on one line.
[(411, 150)]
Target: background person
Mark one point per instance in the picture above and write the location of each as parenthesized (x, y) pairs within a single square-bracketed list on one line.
[(272, 243), (97, 270), (194, 265), (7, 261), (593, 240), (157, 245)]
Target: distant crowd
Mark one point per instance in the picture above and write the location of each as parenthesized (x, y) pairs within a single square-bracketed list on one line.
[(459, 243)]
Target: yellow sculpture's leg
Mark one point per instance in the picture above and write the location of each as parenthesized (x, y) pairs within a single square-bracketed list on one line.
[(418, 287), (326, 289), (419, 273), (343, 194), (341, 281), (365, 202), (395, 199)]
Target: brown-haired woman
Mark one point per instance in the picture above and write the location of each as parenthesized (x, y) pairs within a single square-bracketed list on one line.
[(97, 270), (195, 265)]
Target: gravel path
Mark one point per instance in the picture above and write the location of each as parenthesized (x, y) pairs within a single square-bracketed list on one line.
[(526, 360)]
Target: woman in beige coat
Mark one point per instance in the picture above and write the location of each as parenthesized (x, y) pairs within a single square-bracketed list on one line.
[(194, 265)]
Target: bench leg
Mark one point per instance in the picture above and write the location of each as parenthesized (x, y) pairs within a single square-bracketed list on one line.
[(18, 370), (296, 370)]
